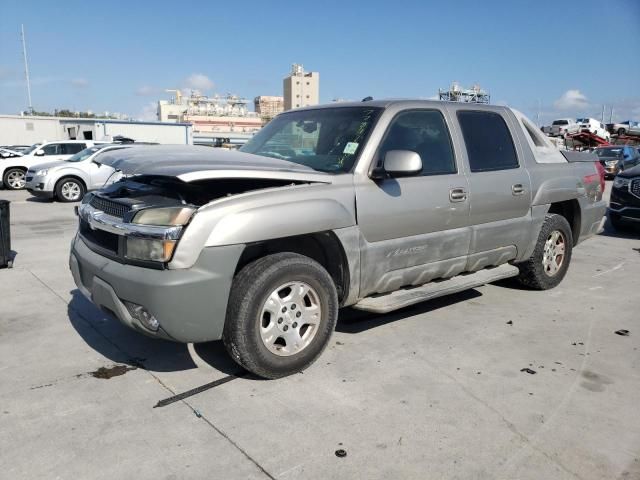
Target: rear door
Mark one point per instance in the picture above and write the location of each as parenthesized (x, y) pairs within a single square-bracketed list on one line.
[(500, 188), (414, 228)]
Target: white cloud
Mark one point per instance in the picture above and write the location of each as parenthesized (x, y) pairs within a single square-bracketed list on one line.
[(149, 112), (147, 90), (198, 81), (571, 99), (80, 82)]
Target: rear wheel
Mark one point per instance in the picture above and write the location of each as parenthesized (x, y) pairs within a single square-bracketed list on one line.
[(550, 260), (282, 311), (621, 131), (69, 190), (14, 178)]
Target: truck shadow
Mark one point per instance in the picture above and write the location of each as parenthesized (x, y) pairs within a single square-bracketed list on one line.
[(351, 320), (121, 345)]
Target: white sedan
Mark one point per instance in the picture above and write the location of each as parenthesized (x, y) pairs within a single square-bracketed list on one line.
[(68, 180)]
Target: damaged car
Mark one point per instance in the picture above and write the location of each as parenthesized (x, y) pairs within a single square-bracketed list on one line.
[(375, 205)]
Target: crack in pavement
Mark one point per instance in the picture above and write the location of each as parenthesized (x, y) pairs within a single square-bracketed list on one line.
[(126, 354)]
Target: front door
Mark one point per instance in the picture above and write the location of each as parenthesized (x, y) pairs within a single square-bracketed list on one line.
[(414, 228)]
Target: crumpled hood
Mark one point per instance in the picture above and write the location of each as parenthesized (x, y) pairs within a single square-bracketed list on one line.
[(192, 163)]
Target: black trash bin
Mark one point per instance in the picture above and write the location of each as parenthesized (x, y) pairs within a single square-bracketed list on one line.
[(6, 259)]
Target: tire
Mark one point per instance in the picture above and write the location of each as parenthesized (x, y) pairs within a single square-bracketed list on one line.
[(69, 189), (538, 272), (254, 334), (14, 178), (621, 131)]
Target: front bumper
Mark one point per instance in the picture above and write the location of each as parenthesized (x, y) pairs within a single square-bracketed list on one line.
[(625, 204), (190, 304)]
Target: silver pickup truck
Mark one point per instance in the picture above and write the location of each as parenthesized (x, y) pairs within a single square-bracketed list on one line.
[(375, 205)]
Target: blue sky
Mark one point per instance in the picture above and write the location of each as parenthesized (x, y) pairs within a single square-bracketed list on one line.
[(120, 56)]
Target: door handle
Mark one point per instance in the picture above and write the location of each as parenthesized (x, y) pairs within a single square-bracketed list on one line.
[(457, 195), (517, 189)]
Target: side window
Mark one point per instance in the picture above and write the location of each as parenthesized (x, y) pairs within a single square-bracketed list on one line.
[(424, 132), (488, 140), (72, 148), (52, 149)]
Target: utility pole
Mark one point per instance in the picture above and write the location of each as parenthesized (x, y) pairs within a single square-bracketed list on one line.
[(611, 115), (26, 69)]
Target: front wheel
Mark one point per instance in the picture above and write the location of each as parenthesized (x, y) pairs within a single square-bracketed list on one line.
[(69, 190), (621, 131), (14, 179), (549, 262), (282, 311)]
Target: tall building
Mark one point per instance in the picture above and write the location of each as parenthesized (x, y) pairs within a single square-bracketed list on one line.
[(267, 106), (301, 88)]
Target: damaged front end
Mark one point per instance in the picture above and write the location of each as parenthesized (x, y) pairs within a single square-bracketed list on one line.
[(140, 220)]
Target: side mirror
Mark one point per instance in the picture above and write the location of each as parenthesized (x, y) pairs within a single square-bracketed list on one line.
[(39, 153), (398, 163)]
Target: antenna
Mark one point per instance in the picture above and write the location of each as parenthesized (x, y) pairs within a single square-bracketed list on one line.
[(26, 69)]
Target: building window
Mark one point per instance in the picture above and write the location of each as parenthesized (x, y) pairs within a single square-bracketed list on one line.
[(307, 96), (297, 104), (307, 83), (297, 83)]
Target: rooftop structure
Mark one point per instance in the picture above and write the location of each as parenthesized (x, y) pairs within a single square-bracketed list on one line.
[(301, 88), (267, 106), (456, 93)]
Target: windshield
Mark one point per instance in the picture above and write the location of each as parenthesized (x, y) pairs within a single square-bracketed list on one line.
[(608, 152), (560, 122), (84, 154), (327, 140), (32, 148)]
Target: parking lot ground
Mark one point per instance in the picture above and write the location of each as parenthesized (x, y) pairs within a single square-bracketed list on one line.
[(431, 391)]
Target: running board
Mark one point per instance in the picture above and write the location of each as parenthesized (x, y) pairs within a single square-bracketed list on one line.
[(388, 302)]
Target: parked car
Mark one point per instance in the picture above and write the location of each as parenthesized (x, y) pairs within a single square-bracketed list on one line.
[(13, 170), (624, 205), (260, 247), (617, 158), (6, 152), (68, 180), (591, 125), (628, 127), (562, 126)]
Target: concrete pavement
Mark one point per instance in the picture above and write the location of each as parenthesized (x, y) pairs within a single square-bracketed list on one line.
[(432, 391)]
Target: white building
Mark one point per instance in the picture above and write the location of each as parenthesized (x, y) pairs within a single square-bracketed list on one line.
[(26, 130), (215, 119), (301, 88)]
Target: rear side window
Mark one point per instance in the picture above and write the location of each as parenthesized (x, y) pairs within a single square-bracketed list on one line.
[(488, 141), (72, 148)]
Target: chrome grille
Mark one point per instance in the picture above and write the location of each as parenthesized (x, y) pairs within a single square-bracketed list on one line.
[(634, 188), (109, 207)]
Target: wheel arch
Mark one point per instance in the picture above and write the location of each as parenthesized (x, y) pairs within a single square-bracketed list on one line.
[(570, 210), (323, 247), (71, 175)]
